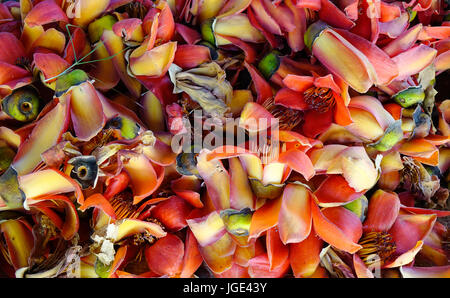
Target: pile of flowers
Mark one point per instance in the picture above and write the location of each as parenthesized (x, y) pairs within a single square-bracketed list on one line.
[(224, 138)]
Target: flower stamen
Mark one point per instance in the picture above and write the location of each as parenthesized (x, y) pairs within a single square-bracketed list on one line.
[(319, 99), (377, 248)]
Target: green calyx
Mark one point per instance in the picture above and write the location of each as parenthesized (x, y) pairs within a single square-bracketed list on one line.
[(359, 207), (96, 28), (313, 32), (101, 269), (392, 136), (410, 96), (269, 64), (66, 81), (207, 31), (237, 222), (129, 129), (6, 156), (10, 192), (269, 191)]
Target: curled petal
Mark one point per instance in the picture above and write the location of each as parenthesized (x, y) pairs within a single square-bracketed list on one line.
[(19, 240), (241, 195), (217, 180), (71, 221), (145, 178), (88, 11), (115, 48), (299, 162), (409, 229), (155, 62), (233, 7), (188, 188), (50, 64), (403, 42), (352, 62), (172, 213), (219, 255), (35, 185), (263, 88), (239, 26), (335, 191), (207, 229), (265, 217), (338, 226), (128, 227), (361, 269), (99, 201)]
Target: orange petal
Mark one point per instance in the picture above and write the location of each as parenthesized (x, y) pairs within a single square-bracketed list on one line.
[(304, 256), (259, 267), (335, 191), (35, 185), (383, 211), (255, 117), (408, 229), (340, 227), (165, 256), (361, 269), (155, 62), (241, 195), (265, 217), (277, 252), (188, 188), (294, 219), (192, 259), (299, 162), (128, 227), (219, 255), (98, 201), (172, 213), (190, 56), (50, 64), (333, 16), (144, 177), (88, 11), (86, 122), (263, 89)]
